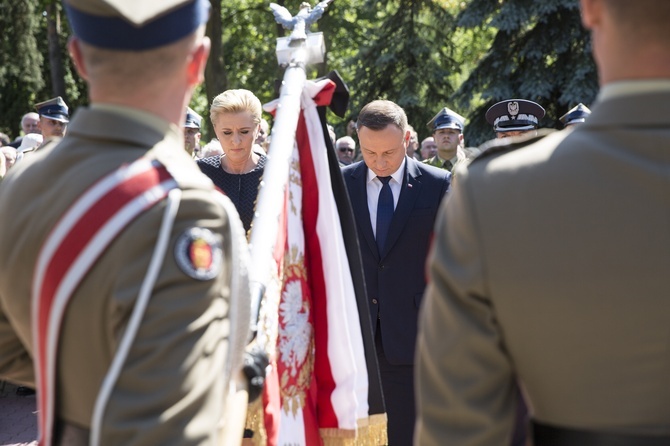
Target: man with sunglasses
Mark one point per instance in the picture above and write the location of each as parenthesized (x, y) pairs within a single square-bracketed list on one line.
[(345, 148)]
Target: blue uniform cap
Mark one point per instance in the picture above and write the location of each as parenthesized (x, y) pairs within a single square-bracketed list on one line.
[(55, 109), (576, 115), (135, 25), (447, 119), (193, 120), (514, 115)]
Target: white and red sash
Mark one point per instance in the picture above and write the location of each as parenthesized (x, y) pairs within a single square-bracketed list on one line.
[(83, 233)]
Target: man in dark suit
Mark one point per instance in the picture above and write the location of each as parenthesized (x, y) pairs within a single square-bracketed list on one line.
[(550, 266), (395, 200)]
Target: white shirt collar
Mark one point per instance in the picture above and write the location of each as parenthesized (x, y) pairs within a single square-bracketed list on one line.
[(397, 175)]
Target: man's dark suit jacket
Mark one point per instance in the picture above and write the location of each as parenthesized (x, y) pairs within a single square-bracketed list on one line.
[(395, 281)]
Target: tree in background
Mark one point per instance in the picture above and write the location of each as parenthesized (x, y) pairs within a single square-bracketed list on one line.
[(540, 52), (20, 62), (422, 54), (34, 64), (406, 56), (244, 43)]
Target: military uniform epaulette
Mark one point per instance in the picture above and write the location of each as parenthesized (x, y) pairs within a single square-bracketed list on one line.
[(502, 145)]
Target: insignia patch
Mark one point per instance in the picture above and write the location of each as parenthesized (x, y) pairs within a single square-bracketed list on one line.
[(513, 108), (198, 253)]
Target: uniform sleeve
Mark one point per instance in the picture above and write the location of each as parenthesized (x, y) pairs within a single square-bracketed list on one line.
[(171, 387), (465, 388), (16, 365)]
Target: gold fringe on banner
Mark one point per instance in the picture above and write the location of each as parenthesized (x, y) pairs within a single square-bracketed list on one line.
[(338, 437), (255, 423), (371, 431)]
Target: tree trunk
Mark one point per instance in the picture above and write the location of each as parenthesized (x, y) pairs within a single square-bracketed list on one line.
[(55, 56), (216, 78)]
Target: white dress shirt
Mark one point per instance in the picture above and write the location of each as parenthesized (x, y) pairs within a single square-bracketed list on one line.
[(374, 186)]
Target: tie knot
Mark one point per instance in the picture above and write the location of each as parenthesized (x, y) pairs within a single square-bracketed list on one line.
[(385, 180)]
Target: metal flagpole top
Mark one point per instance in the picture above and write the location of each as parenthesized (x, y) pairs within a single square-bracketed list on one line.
[(300, 37), (295, 52)]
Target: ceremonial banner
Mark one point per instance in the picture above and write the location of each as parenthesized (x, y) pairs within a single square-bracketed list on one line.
[(325, 370)]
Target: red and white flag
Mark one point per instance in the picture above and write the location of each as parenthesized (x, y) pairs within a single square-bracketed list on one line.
[(320, 377)]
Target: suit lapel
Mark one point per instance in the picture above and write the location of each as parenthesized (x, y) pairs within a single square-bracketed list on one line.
[(410, 190), (359, 203)]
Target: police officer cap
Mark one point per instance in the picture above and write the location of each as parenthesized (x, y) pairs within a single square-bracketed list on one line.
[(576, 115), (446, 119), (55, 109), (135, 25), (193, 119), (514, 115)]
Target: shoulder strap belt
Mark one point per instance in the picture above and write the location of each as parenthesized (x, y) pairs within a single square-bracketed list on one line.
[(69, 252)]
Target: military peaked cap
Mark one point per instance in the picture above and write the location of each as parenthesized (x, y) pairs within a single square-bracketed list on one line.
[(576, 115), (54, 108), (193, 120), (135, 25), (514, 115), (446, 119)]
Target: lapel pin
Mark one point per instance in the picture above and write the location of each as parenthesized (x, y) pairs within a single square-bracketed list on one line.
[(409, 185)]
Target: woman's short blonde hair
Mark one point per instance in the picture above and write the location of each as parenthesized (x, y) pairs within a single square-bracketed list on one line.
[(236, 101)]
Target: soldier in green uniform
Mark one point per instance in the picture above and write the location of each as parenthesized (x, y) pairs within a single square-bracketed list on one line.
[(122, 296), (447, 127), (550, 266)]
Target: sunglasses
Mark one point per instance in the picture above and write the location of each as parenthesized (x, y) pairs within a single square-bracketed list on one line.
[(344, 149)]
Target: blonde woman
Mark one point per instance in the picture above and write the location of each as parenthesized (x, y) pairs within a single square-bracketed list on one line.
[(236, 117)]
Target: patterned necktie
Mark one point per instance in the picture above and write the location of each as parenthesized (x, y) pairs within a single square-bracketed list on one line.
[(384, 212)]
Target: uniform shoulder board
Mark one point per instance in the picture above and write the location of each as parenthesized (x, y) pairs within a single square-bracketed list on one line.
[(496, 146)]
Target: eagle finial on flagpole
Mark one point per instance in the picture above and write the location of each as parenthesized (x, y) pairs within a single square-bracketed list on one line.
[(299, 24)]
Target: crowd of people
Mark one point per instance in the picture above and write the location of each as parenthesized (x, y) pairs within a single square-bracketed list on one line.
[(517, 291)]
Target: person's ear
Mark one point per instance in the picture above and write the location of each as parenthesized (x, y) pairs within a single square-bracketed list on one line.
[(74, 48), (591, 11), (198, 61)]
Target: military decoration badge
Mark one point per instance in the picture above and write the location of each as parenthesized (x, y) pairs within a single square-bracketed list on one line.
[(513, 108), (198, 253)]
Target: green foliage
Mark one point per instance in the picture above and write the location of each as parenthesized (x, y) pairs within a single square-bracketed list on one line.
[(540, 52), (20, 62), (408, 57), (422, 54), (25, 73)]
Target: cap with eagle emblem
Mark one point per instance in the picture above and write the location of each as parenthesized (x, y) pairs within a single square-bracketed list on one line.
[(135, 25), (514, 115)]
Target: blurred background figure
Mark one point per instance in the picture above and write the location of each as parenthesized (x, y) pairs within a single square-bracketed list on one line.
[(29, 124), (263, 138), (212, 148), (447, 127), (29, 143), (332, 134), (236, 117), (428, 148), (345, 148), (54, 118), (576, 115), (514, 117), (9, 153), (192, 132), (413, 146)]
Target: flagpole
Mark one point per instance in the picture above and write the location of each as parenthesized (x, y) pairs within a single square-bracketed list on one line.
[(295, 53)]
